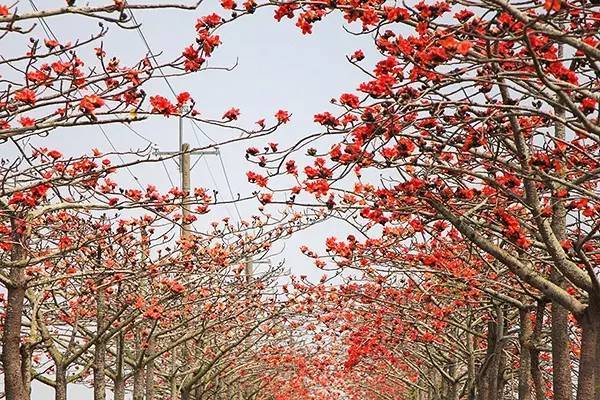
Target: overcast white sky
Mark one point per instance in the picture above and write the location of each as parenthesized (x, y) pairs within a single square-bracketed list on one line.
[(278, 67)]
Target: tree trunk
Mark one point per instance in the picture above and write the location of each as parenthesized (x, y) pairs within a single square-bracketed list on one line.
[(138, 373), (100, 351), (150, 372), (597, 370), (483, 384), (536, 372), (119, 388), (525, 334), (26, 366), (173, 389), (492, 372), (138, 383), (586, 389), (198, 392), (60, 389), (561, 366), (452, 386), (11, 339), (119, 376), (561, 377)]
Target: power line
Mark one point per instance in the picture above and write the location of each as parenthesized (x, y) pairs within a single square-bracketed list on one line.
[(147, 44), (50, 33), (226, 180), (194, 123), (229, 186)]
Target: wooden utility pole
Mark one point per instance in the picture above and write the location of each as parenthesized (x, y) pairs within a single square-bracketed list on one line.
[(185, 169), (249, 270)]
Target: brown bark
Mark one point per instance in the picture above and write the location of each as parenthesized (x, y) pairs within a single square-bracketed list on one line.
[(494, 343), (11, 339), (525, 335), (119, 389), (561, 377), (26, 366), (536, 372), (100, 351), (60, 388), (597, 370), (586, 389), (138, 383), (138, 373), (150, 372)]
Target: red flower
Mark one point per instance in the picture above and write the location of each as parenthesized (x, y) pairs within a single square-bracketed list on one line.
[(553, 5), (89, 104), (37, 77), (326, 119), (319, 187), (250, 5), (266, 198), (228, 4), (190, 53), (291, 168), (232, 114), (26, 96), (252, 151), (154, 312), (27, 121), (193, 60), (463, 15), (282, 116), (260, 180), (349, 100), (405, 147), (464, 47), (588, 105), (358, 55), (60, 67), (396, 14), (64, 242), (51, 43), (55, 154), (208, 21), (4, 11), (161, 105), (183, 98)]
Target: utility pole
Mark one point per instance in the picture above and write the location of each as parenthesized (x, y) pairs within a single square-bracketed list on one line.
[(185, 168), (249, 270)]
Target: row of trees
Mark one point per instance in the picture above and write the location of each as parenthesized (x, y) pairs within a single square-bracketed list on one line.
[(467, 165)]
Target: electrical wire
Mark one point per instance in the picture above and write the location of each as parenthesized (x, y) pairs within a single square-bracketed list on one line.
[(229, 186), (147, 44), (194, 123), (51, 34)]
